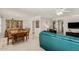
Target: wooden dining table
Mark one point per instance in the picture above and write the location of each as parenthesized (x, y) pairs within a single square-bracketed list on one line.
[(17, 36)]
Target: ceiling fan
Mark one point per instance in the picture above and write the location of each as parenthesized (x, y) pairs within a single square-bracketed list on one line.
[(60, 11)]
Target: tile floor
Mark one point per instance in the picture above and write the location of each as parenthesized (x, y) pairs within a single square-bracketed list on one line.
[(32, 44)]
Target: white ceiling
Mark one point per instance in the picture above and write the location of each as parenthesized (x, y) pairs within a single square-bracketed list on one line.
[(30, 12)]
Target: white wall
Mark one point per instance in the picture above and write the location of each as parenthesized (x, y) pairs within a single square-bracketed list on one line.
[(72, 18), (46, 23)]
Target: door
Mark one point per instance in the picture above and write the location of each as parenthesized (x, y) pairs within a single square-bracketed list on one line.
[(36, 28), (60, 26)]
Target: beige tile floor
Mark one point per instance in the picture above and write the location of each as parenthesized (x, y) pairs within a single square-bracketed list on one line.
[(32, 44)]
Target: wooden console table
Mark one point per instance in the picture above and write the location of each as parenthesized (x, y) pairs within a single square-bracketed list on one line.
[(75, 34)]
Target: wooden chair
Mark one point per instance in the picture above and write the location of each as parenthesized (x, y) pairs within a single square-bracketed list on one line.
[(9, 36), (28, 32)]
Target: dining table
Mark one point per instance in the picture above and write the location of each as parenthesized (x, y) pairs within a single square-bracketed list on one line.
[(17, 35)]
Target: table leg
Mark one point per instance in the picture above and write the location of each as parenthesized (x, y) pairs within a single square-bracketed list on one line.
[(7, 41), (13, 40), (26, 37)]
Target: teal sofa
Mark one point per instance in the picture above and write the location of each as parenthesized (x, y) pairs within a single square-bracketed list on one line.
[(57, 42)]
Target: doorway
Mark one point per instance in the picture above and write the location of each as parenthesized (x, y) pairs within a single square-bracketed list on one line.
[(36, 28), (60, 26)]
